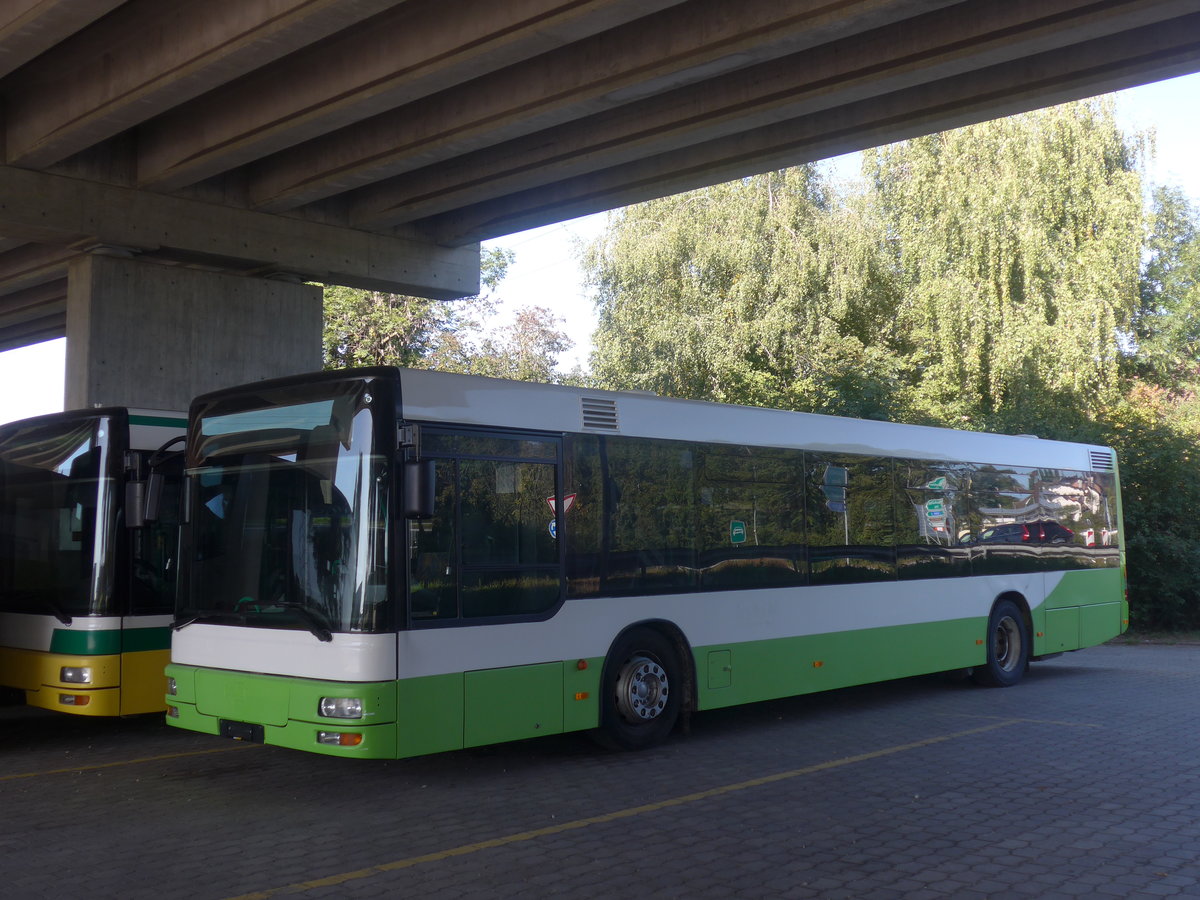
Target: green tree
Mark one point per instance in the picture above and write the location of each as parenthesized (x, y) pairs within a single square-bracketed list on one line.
[(371, 328), (1167, 324), (364, 328), (1019, 243), (524, 350), (759, 291)]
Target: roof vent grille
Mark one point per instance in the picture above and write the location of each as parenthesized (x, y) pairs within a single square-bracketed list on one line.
[(1101, 460), (599, 414)]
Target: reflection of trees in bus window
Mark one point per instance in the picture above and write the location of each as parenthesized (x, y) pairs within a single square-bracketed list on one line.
[(750, 528), (994, 479), (650, 515), (851, 522)]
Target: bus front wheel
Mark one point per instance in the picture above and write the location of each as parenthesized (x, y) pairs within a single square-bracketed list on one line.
[(642, 691), (1007, 647)]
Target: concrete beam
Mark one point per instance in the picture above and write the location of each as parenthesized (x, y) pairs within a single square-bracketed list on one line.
[(45, 328), (150, 55), (32, 265), (19, 306), (681, 45), (909, 53), (33, 315), (1125, 60), (410, 52), (141, 334), (31, 27), (77, 214)]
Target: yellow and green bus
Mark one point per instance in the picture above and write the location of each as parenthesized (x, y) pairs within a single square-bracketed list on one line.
[(386, 563), (88, 554)]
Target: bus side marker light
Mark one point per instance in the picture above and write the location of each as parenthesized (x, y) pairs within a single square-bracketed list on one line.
[(339, 738), (979, 643), (74, 699), (1041, 634), (581, 665), (582, 695), (75, 674), (817, 663)]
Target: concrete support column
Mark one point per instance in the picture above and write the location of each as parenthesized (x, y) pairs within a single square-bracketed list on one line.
[(155, 336)]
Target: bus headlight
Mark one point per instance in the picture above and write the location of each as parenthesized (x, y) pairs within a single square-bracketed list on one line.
[(341, 708), (172, 687), (75, 674)]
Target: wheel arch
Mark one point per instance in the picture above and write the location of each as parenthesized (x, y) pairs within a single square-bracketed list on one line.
[(1022, 604), (683, 650)]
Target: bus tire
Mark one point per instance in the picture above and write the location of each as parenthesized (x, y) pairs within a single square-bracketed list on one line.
[(1008, 645), (642, 691)]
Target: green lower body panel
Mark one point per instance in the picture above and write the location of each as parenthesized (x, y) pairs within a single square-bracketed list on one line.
[(764, 670), (400, 719), (1085, 609), (283, 711)]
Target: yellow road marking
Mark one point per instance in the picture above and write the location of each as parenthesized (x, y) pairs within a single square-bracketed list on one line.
[(575, 825), (1030, 721), (126, 762)]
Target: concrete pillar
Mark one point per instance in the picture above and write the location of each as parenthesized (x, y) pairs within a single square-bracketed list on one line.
[(155, 336)]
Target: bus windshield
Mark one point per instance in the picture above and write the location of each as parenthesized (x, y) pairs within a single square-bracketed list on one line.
[(58, 510), (288, 513)]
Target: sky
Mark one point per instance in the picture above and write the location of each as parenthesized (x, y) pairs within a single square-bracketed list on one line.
[(546, 271)]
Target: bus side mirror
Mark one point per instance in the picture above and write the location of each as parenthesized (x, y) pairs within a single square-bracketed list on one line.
[(135, 504), (154, 490), (143, 500), (420, 489)]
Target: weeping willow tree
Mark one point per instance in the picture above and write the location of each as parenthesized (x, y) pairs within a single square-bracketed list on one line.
[(1018, 245), (982, 279), (761, 291)]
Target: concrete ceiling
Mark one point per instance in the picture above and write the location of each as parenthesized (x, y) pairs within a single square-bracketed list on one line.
[(374, 143)]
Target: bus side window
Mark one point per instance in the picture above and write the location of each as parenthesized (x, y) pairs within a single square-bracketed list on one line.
[(851, 524)]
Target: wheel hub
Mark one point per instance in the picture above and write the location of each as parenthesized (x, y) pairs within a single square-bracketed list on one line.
[(1008, 644), (642, 690)]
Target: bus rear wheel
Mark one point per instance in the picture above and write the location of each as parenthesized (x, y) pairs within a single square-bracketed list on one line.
[(642, 691), (1007, 647)]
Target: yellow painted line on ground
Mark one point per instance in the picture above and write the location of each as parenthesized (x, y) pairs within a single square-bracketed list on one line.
[(127, 762), (1030, 721), (630, 812)]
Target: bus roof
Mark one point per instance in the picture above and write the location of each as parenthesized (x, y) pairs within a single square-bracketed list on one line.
[(475, 400)]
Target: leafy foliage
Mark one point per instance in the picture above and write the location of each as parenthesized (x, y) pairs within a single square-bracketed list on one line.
[(1167, 324), (367, 328)]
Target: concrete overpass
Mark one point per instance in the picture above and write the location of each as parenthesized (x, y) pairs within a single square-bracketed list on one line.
[(175, 170)]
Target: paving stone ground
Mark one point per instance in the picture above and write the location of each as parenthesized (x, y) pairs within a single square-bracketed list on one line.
[(1082, 781)]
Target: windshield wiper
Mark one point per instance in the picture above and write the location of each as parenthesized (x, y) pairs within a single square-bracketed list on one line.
[(57, 611), (201, 615), (317, 622)]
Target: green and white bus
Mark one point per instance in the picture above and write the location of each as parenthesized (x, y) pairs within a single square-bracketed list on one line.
[(87, 569), (386, 563)]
